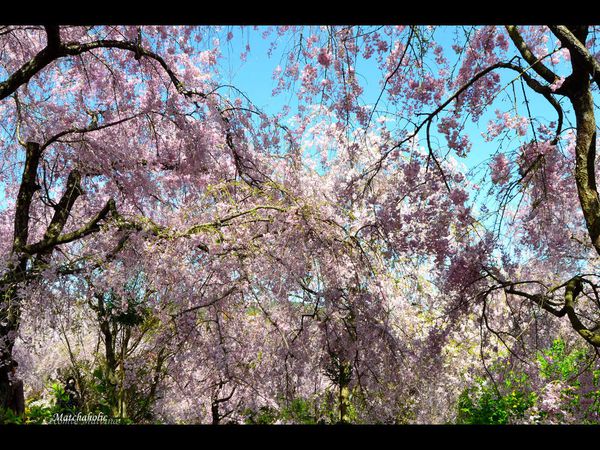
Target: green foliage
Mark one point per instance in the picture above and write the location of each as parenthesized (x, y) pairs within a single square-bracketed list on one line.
[(486, 403), (299, 411), (571, 367), (306, 411), (61, 399), (558, 364), (8, 417), (263, 416), (579, 384), (102, 392), (38, 414)]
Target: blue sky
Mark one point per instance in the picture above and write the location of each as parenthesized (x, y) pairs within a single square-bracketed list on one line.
[(254, 77)]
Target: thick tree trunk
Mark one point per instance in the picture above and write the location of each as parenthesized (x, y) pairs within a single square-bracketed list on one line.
[(580, 95), (214, 410), (585, 160)]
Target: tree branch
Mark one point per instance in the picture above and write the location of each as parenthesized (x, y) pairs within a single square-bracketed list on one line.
[(572, 290), (89, 129), (55, 50), (63, 208), (90, 227), (212, 301), (569, 40), (528, 55), (26, 190), (36, 64)]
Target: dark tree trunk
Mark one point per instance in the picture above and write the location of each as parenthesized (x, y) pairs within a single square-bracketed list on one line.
[(214, 409)]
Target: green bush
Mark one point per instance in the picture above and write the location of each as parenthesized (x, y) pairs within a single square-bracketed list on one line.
[(483, 404)]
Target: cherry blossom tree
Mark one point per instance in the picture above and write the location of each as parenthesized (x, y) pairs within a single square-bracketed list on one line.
[(339, 252), (76, 101), (545, 186)]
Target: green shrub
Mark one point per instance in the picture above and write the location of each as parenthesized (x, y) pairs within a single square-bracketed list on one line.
[(487, 404)]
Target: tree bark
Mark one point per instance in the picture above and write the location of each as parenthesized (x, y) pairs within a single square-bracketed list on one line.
[(581, 98)]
